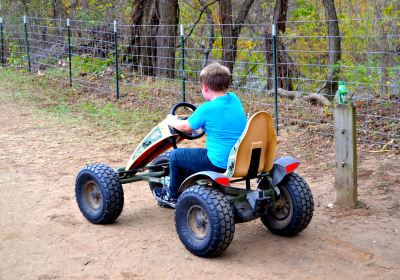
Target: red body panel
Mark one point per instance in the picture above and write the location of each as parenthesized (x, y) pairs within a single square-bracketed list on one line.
[(154, 151)]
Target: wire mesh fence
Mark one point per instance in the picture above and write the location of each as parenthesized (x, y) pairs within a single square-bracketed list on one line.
[(160, 65)]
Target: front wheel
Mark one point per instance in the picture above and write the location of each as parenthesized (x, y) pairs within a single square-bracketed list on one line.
[(204, 221), (294, 207), (99, 193)]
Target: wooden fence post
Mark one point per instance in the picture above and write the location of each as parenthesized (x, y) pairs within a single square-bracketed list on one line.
[(345, 155)]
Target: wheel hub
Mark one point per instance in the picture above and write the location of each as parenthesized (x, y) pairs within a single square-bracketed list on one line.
[(282, 208), (197, 220), (93, 195)]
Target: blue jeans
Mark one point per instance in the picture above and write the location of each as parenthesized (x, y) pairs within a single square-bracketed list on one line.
[(185, 162)]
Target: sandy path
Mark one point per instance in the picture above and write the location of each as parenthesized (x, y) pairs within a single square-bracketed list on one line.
[(44, 236)]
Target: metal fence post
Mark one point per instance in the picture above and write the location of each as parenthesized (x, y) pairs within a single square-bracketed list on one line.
[(116, 59), (2, 60), (183, 64), (27, 45), (69, 51), (274, 59)]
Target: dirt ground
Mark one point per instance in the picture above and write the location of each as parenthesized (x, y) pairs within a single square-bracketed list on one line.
[(44, 236)]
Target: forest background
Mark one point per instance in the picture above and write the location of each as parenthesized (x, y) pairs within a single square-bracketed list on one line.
[(319, 43)]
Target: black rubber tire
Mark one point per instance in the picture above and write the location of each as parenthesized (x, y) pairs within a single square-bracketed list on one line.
[(163, 158), (220, 221), (295, 190), (108, 188)]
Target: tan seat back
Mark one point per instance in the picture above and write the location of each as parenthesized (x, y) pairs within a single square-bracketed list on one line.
[(258, 134)]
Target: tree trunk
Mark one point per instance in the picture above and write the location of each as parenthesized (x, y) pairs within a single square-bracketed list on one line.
[(280, 13), (85, 4), (166, 39), (225, 7), (331, 84), (231, 30), (56, 8), (286, 68), (142, 51), (148, 43), (56, 14), (26, 9), (71, 8), (211, 34), (132, 54)]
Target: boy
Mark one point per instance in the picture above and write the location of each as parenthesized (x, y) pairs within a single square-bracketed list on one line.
[(223, 119)]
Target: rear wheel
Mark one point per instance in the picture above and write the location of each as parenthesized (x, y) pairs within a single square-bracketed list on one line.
[(99, 193), (160, 160), (294, 207), (204, 221)]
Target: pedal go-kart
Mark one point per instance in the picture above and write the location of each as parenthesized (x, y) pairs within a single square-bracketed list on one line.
[(209, 204)]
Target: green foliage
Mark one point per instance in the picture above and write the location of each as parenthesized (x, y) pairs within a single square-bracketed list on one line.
[(304, 11), (98, 10), (91, 65), (253, 58), (363, 40), (16, 58), (391, 10), (217, 47)]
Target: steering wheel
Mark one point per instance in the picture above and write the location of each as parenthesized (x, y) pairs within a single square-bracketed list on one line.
[(187, 135)]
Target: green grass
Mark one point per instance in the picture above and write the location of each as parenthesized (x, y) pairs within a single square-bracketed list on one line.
[(51, 99)]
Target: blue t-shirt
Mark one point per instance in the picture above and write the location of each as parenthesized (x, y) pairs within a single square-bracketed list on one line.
[(224, 120)]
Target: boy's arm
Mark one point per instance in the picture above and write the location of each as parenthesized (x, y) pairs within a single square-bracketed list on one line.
[(181, 125)]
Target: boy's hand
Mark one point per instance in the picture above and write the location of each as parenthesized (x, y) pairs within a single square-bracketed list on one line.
[(171, 119), (181, 125)]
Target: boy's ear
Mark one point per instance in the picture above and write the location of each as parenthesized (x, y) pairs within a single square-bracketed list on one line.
[(205, 87)]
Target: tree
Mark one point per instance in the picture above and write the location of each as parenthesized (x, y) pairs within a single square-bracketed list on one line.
[(153, 36), (56, 9), (142, 51), (231, 29), (166, 39), (331, 84), (206, 48), (286, 67)]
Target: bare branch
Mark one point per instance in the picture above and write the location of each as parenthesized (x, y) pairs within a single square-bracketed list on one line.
[(241, 17), (199, 18), (211, 35)]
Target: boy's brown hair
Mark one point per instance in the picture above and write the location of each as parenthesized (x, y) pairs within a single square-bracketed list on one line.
[(216, 77)]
